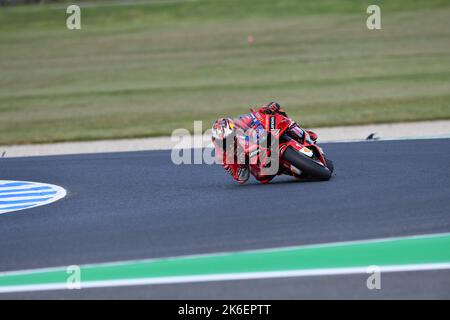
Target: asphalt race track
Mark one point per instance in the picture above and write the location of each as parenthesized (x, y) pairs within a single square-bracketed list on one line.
[(137, 205)]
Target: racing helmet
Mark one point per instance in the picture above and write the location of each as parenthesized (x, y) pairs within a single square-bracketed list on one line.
[(222, 128)]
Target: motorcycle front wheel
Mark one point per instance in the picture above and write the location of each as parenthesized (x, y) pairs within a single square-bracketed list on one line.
[(307, 165)]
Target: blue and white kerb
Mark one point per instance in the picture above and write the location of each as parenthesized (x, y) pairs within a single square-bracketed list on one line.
[(19, 195)]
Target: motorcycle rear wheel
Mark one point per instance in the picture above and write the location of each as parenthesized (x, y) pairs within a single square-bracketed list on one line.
[(306, 165)]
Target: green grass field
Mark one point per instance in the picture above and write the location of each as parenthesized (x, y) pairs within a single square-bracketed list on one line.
[(144, 70)]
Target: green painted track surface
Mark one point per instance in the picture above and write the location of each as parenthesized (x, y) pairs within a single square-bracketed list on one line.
[(416, 250)]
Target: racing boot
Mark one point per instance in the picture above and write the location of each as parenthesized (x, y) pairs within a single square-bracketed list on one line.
[(242, 174)]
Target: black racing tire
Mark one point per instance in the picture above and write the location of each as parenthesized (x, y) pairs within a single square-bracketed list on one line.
[(306, 165), (330, 164)]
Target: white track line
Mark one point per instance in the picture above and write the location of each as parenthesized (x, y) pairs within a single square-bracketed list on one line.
[(227, 277), (217, 254)]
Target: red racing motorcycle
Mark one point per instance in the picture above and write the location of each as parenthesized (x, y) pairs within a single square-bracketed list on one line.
[(272, 148)]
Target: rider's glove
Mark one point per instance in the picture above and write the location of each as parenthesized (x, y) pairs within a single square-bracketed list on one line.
[(271, 108)]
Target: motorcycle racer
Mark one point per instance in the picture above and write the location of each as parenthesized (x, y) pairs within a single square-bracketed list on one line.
[(225, 128)]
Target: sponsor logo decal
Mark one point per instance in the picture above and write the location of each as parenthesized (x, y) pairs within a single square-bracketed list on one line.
[(272, 123), (306, 151)]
